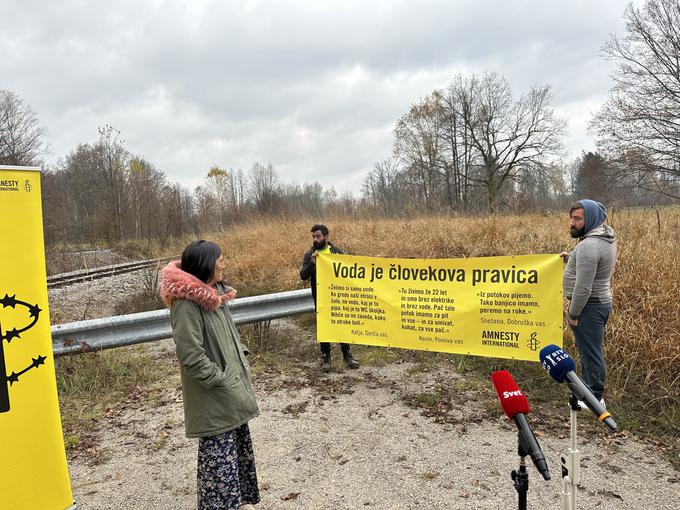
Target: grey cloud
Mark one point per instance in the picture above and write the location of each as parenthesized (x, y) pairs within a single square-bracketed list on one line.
[(313, 87)]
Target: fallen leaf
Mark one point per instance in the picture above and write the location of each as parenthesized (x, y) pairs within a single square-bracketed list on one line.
[(292, 496)]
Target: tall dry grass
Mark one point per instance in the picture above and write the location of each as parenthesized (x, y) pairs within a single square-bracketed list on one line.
[(643, 334)]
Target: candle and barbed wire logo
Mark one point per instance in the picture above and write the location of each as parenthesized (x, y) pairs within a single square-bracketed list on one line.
[(533, 342), (8, 335)]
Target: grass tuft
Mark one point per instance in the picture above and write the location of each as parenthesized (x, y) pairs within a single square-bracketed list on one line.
[(92, 384)]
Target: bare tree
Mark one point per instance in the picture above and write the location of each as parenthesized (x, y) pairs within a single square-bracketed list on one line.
[(220, 184), (145, 185), (473, 137), (510, 136), (265, 190), (311, 199), (179, 215), (418, 146), (111, 166), (382, 188), (303, 199), (642, 113), (21, 135), (82, 196), (457, 109)]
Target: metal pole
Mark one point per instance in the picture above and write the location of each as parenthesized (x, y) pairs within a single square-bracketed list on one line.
[(520, 477), (571, 471)]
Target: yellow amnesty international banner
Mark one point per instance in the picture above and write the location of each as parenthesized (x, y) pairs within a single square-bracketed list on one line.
[(33, 469), (503, 307)]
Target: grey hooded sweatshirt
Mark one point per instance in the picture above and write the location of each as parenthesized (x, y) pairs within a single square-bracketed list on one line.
[(589, 270)]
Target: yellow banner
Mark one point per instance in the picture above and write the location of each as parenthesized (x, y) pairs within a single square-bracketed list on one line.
[(503, 307), (33, 469)]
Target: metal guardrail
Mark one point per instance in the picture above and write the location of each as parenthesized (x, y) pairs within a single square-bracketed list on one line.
[(95, 273), (136, 328)]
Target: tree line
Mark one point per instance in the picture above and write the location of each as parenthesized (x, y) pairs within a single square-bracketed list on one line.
[(471, 147), (102, 191)]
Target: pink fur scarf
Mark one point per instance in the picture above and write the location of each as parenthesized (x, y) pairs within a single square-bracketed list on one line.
[(178, 284)]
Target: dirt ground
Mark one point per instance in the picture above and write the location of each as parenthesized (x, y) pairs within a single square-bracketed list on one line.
[(350, 440)]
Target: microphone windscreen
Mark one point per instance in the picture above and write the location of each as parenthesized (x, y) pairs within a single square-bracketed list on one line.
[(512, 399), (557, 362)]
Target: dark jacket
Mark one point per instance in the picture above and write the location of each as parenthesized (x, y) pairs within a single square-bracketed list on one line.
[(308, 270)]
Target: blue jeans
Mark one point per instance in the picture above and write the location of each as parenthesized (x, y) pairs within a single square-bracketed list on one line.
[(589, 336)]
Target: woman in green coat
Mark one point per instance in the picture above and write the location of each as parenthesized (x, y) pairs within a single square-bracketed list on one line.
[(216, 389)]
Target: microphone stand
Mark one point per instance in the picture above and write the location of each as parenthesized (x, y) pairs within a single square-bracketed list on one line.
[(571, 471), (521, 477)]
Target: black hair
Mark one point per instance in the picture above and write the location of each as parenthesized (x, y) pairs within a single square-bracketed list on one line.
[(199, 259), (322, 228)]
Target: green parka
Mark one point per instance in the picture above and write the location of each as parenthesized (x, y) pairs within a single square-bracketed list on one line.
[(216, 387)]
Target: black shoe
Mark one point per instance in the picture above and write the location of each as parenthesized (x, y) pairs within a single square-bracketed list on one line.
[(326, 363), (350, 362)]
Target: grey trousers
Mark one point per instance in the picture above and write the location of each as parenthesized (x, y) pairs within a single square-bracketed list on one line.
[(589, 336)]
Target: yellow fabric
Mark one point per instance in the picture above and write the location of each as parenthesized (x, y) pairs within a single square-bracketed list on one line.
[(504, 307), (33, 469)]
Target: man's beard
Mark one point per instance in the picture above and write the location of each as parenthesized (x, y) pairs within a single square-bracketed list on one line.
[(319, 246), (577, 232)]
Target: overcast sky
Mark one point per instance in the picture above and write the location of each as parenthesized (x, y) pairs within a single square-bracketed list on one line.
[(312, 86)]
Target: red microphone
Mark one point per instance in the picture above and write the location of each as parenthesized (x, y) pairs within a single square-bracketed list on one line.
[(516, 406), (512, 399)]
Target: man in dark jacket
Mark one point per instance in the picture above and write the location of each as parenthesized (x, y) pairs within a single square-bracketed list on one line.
[(321, 244), (586, 284)]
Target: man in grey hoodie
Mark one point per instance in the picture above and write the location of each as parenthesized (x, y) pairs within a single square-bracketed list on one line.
[(586, 284)]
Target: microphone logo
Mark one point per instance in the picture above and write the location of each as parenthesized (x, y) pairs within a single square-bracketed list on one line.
[(553, 359), (533, 342), (509, 394)]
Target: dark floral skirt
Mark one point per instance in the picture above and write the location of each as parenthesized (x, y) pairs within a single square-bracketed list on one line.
[(226, 471)]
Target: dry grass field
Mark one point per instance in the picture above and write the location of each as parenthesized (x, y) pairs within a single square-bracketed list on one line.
[(643, 334)]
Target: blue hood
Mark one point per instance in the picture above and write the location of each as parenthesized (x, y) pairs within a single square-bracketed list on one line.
[(594, 212)]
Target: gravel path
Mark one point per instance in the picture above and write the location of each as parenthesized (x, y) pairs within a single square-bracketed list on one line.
[(348, 440)]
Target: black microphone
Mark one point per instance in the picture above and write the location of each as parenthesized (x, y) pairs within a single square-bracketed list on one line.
[(516, 406), (560, 366)]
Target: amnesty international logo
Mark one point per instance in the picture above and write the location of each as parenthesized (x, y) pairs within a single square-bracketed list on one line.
[(533, 342), (9, 185), (27, 186)]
